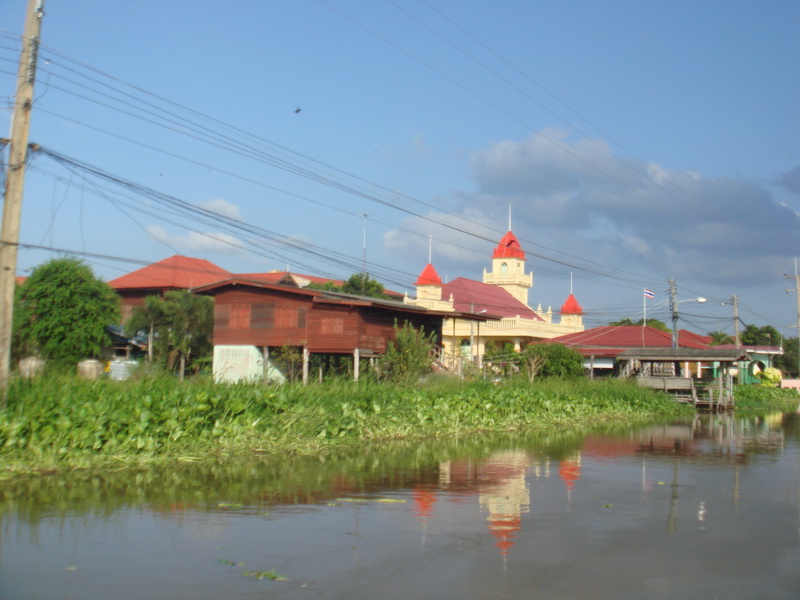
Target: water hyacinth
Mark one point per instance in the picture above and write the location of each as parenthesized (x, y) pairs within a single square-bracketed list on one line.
[(61, 421)]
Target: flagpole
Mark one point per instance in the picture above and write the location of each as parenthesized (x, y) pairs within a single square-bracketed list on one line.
[(646, 295), (644, 312)]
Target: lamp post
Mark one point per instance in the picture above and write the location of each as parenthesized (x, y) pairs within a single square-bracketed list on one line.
[(674, 309)]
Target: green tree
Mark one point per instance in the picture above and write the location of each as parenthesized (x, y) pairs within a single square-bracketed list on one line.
[(409, 355), (552, 360), (182, 324), (719, 338), (61, 312), (654, 323), (788, 362), (760, 336), (358, 284)]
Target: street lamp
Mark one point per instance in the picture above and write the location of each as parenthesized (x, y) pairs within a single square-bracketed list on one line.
[(675, 303)]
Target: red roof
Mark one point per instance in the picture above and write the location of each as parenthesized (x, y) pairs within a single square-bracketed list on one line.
[(429, 276), (686, 335), (271, 277), (473, 296), (571, 306), (509, 248), (175, 272), (610, 340)]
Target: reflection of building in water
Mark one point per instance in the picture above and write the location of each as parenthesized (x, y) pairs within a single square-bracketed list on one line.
[(501, 484), (502, 489), (508, 498), (569, 469)]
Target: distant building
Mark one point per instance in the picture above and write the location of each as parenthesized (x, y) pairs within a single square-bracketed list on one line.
[(600, 346), (173, 273), (503, 293)]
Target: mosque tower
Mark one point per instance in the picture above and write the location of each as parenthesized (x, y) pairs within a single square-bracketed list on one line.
[(508, 268)]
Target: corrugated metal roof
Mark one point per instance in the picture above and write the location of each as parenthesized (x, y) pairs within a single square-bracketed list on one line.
[(470, 296), (337, 297), (713, 353), (623, 336), (175, 272)]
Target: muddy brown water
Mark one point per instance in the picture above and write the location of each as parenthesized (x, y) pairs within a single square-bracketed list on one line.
[(706, 508)]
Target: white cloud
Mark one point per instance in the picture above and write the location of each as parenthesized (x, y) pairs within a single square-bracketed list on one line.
[(222, 207), (196, 243), (574, 197)]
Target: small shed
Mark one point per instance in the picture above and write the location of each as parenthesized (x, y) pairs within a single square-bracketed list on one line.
[(663, 369), (253, 318)]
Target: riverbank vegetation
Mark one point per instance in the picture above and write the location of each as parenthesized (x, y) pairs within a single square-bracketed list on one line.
[(59, 422), (754, 398)]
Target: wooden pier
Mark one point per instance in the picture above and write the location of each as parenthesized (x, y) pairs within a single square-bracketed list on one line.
[(669, 369)]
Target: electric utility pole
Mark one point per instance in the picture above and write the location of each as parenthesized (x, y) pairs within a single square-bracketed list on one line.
[(796, 290), (736, 338), (15, 179), (673, 306)]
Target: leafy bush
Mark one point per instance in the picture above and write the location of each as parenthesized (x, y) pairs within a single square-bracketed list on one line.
[(552, 360), (770, 376), (61, 312), (409, 355)]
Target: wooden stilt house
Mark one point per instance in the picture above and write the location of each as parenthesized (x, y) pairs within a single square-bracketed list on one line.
[(253, 319)]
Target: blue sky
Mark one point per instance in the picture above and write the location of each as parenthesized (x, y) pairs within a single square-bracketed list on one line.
[(634, 142)]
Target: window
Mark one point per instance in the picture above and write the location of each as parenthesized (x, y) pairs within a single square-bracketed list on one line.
[(240, 316), (222, 316), (286, 316), (504, 268), (262, 315), (332, 326)]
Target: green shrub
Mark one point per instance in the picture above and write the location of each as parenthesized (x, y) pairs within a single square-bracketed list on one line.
[(408, 356), (552, 360)]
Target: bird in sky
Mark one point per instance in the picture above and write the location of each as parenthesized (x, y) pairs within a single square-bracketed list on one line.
[(297, 110)]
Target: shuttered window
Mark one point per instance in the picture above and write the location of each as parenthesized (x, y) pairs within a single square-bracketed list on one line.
[(240, 316), (263, 315), (286, 316), (222, 316), (332, 326)]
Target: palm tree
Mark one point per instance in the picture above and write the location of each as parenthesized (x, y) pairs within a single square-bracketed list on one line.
[(182, 322), (719, 338)]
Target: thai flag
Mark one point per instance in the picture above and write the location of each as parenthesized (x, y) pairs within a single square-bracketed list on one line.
[(649, 294)]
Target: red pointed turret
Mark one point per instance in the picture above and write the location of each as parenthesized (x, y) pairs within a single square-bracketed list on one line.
[(571, 306), (429, 276), (509, 247)]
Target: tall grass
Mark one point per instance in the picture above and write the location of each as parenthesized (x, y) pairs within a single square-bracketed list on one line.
[(62, 421)]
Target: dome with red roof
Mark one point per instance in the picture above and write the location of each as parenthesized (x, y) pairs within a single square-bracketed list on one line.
[(429, 276), (509, 247), (571, 306)]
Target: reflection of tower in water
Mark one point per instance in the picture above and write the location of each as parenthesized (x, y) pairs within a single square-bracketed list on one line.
[(569, 470), (424, 500), (505, 496)]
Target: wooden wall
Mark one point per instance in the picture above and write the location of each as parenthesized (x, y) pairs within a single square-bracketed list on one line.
[(268, 317)]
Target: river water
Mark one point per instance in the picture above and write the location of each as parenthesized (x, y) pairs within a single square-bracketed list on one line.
[(707, 508)]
